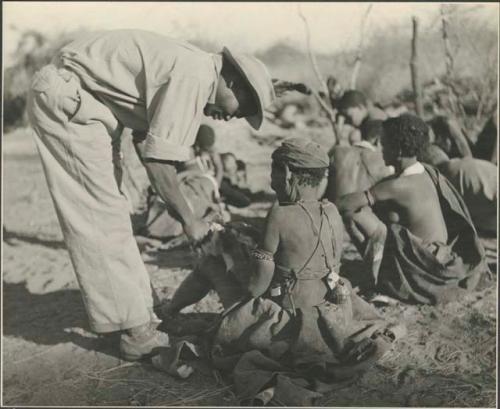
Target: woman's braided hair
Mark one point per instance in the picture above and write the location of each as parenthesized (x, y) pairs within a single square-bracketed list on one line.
[(409, 133)]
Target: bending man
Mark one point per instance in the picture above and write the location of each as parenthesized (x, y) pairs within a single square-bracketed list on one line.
[(78, 106)]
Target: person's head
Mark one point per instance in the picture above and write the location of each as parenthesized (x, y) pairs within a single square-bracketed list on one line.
[(241, 170), (353, 106), (434, 155), (244, 89), (372, 130), (229, 162), (205, 139), (241, 165), (334, 87), (404, 137), (299, 170)]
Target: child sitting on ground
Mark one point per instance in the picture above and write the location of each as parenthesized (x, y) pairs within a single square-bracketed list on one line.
[(204, 155), (222, 168), (233, 188)]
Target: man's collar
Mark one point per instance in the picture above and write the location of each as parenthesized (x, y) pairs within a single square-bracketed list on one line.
[(217, 70), (416, 169), (365, 144)]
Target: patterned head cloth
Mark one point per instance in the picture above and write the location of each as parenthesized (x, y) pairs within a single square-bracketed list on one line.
[(301, 153)]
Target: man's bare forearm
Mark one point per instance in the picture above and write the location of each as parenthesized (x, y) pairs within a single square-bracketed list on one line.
[(460, 139), (352, 202), (163, 177)]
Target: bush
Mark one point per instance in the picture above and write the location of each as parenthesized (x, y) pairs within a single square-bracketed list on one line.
[(384, 75)]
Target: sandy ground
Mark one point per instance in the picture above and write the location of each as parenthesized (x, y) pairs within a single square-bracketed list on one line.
[(51, 358)]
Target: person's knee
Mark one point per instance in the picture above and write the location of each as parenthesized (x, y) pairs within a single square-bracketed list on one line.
[(367, 223)]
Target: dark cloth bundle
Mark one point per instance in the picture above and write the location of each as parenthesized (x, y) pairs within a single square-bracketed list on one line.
[(430, 273), (295, 357)]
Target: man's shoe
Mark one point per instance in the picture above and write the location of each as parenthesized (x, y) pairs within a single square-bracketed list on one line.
[(141, 342)]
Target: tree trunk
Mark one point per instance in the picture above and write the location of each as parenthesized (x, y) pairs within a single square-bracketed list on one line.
[(415, 80)]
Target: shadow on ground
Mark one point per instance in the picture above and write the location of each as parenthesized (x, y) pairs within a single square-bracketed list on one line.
[(50, 319), (13, 238)]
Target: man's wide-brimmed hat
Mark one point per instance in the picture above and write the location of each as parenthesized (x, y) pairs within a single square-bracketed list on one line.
[(255, 74)]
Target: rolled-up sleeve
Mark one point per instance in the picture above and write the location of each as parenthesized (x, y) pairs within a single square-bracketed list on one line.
[(174, 114)]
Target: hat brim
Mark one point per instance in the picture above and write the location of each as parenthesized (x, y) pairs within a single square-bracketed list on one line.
[(255, 120)]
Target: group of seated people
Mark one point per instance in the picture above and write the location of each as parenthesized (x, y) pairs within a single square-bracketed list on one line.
[(470, 167), (292, 325)]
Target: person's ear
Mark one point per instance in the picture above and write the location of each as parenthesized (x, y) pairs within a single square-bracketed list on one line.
[(288, 175), (288, 172)]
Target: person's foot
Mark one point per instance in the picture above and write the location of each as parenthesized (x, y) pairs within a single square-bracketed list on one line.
[(142, 341), (374, 297), (392, 333)]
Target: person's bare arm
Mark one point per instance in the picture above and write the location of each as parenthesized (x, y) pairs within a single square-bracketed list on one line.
[(261, 279), (219, 170), (382, 191), (163, 177), (460, 139)]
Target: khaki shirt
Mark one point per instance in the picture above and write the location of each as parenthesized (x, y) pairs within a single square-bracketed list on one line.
[(150, 82)]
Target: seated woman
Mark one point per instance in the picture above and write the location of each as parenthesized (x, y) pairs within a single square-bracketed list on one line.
[(297, 326)]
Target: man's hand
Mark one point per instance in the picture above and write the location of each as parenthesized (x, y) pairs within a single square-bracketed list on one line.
[(196, 230)]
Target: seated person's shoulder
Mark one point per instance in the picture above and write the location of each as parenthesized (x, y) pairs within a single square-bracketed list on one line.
[(330, 209), (276, 212), (343, 154), (329, 206), (376, 112), (372, 158), (391, 187), (339, 150)]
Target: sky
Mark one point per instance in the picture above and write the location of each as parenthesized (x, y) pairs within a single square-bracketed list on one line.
[(247, 27)]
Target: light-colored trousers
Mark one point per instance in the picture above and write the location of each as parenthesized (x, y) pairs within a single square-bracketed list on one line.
[(78, 140)]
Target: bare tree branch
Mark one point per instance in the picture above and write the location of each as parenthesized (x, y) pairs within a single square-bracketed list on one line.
[(444, 30), (312, 58), (326, 108), (359, 53)]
